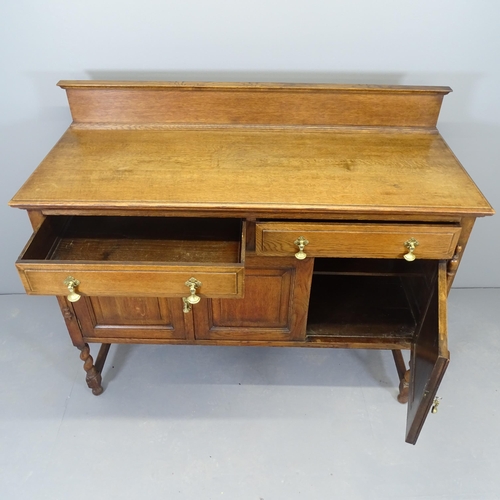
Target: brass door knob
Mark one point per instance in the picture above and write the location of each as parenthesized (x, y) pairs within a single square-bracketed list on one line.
[(410, 245), (435, 404), (193, 284), (301, 242), (72, 283)]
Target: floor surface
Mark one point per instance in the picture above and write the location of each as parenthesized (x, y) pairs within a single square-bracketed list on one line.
[(240, 423)]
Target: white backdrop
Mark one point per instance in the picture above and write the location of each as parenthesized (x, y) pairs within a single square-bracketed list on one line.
[(429, 42)]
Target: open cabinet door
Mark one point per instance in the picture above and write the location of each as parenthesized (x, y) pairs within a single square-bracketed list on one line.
[(429, 357)]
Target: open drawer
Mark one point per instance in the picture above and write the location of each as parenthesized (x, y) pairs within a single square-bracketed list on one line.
[(135, 256)]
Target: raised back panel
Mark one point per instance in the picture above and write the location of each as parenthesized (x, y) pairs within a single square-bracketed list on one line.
[(201, 104)]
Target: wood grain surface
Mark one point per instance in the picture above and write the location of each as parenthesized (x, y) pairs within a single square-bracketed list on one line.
[(257, 171), (262, 104), (385, 241)]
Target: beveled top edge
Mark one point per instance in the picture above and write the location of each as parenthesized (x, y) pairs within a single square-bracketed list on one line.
[(242, 86), (263, 210)]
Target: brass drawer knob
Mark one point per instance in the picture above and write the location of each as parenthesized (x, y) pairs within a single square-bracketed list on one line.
[(192, 284), (72, 283), (301, 242), (186, 308), (410, 245)]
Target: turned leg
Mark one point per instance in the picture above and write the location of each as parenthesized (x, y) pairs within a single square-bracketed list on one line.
[(93, 377), (404, 376)]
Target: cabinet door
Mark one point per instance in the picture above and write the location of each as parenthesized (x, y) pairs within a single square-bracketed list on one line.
[(429, 357), (131, 319), (274, 306)]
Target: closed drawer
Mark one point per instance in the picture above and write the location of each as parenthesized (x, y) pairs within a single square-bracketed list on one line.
[(135, 256), (358, 240)]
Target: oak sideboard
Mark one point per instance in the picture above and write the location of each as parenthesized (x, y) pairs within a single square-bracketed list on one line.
[(294, 215)]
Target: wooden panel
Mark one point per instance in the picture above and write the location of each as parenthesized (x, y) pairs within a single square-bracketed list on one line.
[(132, 279), (255, 104), (274, 306), (356, 240), (130, 319), (256, 171), (252, 170), (36, 219), (130, 311), (151, 250), (429, 357), (266, 303), (419, 286), (72, 323), (467, 224)]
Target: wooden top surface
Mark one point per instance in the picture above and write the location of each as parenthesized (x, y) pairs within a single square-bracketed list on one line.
[(253, 170)]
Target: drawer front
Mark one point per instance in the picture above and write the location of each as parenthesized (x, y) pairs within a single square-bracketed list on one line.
[(132, 281), (383, 241)]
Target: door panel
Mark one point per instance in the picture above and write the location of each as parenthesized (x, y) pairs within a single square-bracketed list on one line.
[(266, 304), (274, 307), (130, 319), (429, 357)]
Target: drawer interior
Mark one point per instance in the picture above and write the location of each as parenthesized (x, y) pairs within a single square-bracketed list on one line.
[(137, 239)]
